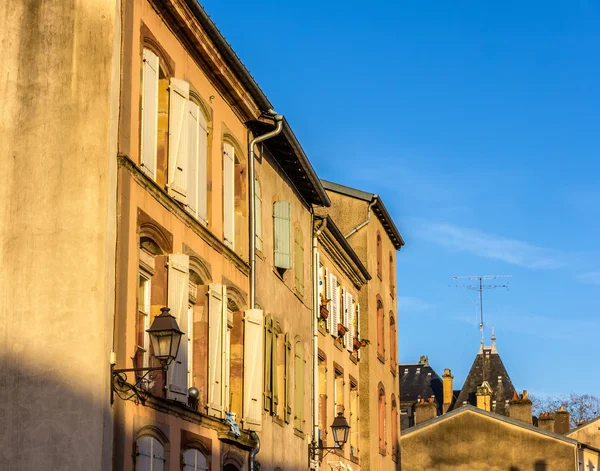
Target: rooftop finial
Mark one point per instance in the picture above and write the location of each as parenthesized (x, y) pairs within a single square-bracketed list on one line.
[(494, 350)]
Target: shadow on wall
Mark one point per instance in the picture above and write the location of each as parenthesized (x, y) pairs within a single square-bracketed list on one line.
[(539, 465)]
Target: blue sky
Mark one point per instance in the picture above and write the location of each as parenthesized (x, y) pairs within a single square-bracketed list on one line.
[(478, 124)]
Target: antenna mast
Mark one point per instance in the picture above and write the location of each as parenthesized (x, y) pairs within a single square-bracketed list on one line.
[(480, 286)]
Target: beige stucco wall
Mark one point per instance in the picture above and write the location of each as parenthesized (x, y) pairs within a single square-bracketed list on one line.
[(588, 434), (472, 441), (57, 202), (348, 213), (281, 445)]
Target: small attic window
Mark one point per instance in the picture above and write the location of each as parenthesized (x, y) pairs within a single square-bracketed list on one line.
[(418, 370), (405, 371), (499, 379), (429, 374)]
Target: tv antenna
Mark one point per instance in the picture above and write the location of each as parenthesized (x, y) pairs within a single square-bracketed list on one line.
[(482, 282)]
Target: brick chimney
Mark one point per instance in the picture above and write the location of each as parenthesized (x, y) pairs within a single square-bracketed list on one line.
[(520, 407), (448, 391), (546, 421), (484, 396), (562, 421), (425, 410)]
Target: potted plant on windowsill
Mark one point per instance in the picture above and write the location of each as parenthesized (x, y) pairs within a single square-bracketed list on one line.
[(342, 329), (356, 343), (324, 312), (364, 342)]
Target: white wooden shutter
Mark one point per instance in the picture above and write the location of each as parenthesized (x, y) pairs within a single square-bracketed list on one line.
[(226, 353), (202, 168), (215, 339), (329, 296), (335, 305), (258, 213), (179, 92), (282, 224), (177, 300), (193, 137), (253, 369), (299, 386), (149, 119), (350, 319), (228, 194), (143, 459)]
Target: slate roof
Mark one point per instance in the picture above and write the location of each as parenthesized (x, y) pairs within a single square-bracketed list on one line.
[(502, 390), (420, 381)]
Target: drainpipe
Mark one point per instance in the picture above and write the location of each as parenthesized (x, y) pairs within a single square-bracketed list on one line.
[(279, 125), (315, 340), (363, 224), (254, 452)]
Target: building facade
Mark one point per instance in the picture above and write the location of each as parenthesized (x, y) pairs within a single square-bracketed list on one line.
[(369, 229)]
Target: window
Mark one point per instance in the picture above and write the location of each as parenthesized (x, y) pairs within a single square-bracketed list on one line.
[(150, 454), (338, 393), (258, 210), (380, 332), (381, 411), (197, 182), (349, 314), (323, 424), (392, 276), (218, 353), (228, 194), (394, 429), (393, 344), (354, 432), (194, 460), (379, 256), (253, 363), (282, 227), (277, 378), (299, 386), (299, 261), (143, 321)]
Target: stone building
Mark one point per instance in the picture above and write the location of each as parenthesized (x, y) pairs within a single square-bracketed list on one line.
[(472, 438), (367, 226), (341, 277)]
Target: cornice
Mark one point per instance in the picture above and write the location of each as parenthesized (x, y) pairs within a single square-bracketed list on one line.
[(338, 256), (176, 209), (186, 25)]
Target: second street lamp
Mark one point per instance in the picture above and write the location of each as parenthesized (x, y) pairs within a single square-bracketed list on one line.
[(340, 429)]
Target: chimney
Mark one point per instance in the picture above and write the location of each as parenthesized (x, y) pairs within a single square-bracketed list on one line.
[(448, 391), (520, 408), (546, 421), (424, 411), (484, 396), (423, 360), (562, 421)]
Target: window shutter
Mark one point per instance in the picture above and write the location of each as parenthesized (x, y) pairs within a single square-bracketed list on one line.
[(287, 379), (335, 308), (215, 338), (274, 368), (228, 194), (299, 261), (193, 134), (329, 296), (149, 137), (253, 368), (178, 299), (258, 212), (225, 354), (143, 459), (299, 386), (357, 324), (268, 369), (320, 286), (158, 456), (282, 224), (179, 92), (350, 319), (202, 178)]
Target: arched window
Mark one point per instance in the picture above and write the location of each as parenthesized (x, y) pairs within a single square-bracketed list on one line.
[(150, 454), (393, 343), (299, 261), (194, 460), (379, 256), (235, 229), (381, 413), (394, 419), (380, 330), (299, 386), (392, 276)]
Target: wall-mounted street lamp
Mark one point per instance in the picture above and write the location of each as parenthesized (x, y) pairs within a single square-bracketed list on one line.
[(165, 338), (340, 429)]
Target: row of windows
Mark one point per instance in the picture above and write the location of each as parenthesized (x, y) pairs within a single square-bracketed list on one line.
[(342, 310), (184, 135), (150, 456), (381, 336), (391, 267), (383, 426)]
